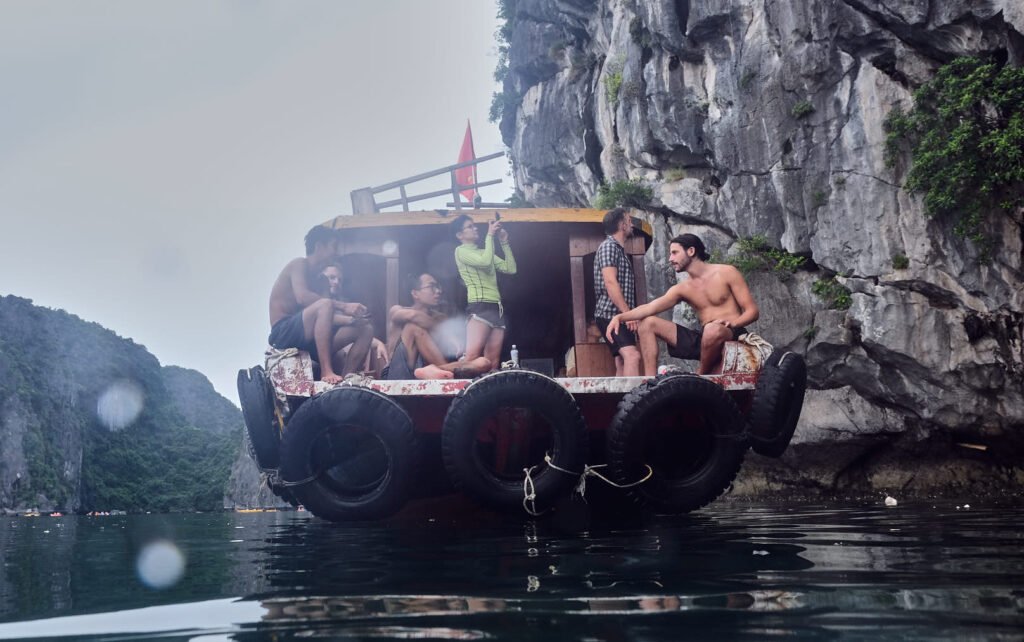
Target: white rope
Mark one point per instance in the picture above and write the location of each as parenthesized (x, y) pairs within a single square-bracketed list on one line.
[(763, 347), (356, 380), (530, 493), (274, 356)]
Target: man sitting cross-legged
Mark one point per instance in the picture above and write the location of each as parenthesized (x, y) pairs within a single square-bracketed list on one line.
[(301, 318), (357, 323), (414, 351), (717, 293)]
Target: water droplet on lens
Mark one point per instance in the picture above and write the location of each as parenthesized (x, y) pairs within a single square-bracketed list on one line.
[(120, 404), (160, 564)]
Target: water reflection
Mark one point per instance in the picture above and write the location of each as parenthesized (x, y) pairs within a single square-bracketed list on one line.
[(733, 572)]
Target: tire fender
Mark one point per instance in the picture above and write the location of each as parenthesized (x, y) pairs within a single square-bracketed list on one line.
[(316, 438), (778, 400), (514, 389), (261, 427), (690, 433)]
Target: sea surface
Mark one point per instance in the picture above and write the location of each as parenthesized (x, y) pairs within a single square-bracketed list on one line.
[(927, 570)]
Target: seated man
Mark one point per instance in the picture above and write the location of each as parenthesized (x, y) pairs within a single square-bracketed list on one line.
[(301, 318), (414, 351), (719, 296), (358, 319)]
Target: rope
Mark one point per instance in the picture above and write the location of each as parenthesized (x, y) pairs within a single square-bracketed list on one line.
[(763, 347), (356, 380), (530, 491), (591, 471), (289, 484)]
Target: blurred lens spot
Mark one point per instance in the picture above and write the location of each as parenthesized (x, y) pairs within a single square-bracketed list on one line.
[(120, 404), (160, 564)]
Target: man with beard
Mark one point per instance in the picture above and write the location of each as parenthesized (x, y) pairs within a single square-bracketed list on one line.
[(717, 293), (615, 290)]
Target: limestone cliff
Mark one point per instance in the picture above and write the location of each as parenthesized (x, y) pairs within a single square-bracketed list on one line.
[(92, 421), (766, 118)]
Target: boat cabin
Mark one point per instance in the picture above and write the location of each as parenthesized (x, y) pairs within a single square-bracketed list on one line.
[(548, 303)]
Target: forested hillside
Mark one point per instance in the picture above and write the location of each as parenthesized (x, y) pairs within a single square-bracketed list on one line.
[(92, 421)]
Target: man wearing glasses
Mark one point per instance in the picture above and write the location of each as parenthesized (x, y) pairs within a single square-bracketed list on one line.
[(413, 346)]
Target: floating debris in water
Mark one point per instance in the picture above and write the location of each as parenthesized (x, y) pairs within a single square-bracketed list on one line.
[(890, 501), (972, 446)]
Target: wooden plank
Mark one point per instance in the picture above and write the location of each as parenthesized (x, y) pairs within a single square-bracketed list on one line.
[(363, 202), (455, 192), (391, 296), (436, 172), (442, 217), (641, 279), (582, 243), (594, 360), (579, 299)]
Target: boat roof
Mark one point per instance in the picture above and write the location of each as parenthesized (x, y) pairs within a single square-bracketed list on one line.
[(442, 217)]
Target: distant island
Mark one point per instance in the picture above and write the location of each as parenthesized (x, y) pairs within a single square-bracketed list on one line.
[(90, 421)]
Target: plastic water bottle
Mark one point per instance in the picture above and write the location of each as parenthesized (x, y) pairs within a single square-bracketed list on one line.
[(515, 355)]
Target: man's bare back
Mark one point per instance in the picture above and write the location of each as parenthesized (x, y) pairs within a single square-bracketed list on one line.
[(283, 299), (302, 318)]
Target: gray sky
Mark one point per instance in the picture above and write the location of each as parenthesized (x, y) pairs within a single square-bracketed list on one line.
[(160, 161)]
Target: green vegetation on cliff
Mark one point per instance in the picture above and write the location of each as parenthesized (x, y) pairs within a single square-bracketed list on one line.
[(965, 135), (174, 453)]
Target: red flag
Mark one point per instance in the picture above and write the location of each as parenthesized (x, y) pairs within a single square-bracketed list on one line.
[(467, 175)]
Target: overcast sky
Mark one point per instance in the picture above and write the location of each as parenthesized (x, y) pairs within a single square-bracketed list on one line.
[(160, 161)]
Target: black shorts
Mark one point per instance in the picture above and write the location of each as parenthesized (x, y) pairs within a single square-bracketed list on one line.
[(623, 338), (489, 313), (688, 342), (289, 333)]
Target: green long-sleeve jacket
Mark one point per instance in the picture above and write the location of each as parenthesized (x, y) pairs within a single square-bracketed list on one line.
[(479, 267)]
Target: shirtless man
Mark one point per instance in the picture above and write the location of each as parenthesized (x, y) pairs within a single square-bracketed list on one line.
[(719, 296), (414, 352), (301, 318)]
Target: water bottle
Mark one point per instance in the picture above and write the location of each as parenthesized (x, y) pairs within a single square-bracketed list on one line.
[(515, 355)]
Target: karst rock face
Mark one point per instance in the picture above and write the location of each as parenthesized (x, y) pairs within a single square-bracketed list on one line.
[(766, 118)]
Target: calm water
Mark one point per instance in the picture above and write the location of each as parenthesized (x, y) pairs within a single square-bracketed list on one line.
[(732, 572)]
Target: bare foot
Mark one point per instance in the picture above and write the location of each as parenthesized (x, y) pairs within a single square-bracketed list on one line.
[(331, 378), (472, 368), (432, 372)]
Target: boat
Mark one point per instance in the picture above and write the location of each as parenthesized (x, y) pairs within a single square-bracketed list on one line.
[(523, 438)]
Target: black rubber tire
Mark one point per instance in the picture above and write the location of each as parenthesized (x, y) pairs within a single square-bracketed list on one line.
[(699, 449), (778, 400), (315, 454), (479, 402), (257, 398)]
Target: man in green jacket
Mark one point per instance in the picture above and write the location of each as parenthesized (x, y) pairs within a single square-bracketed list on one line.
[(485, 329)]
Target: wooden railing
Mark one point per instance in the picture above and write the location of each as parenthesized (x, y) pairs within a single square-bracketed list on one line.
[(364, 201)]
